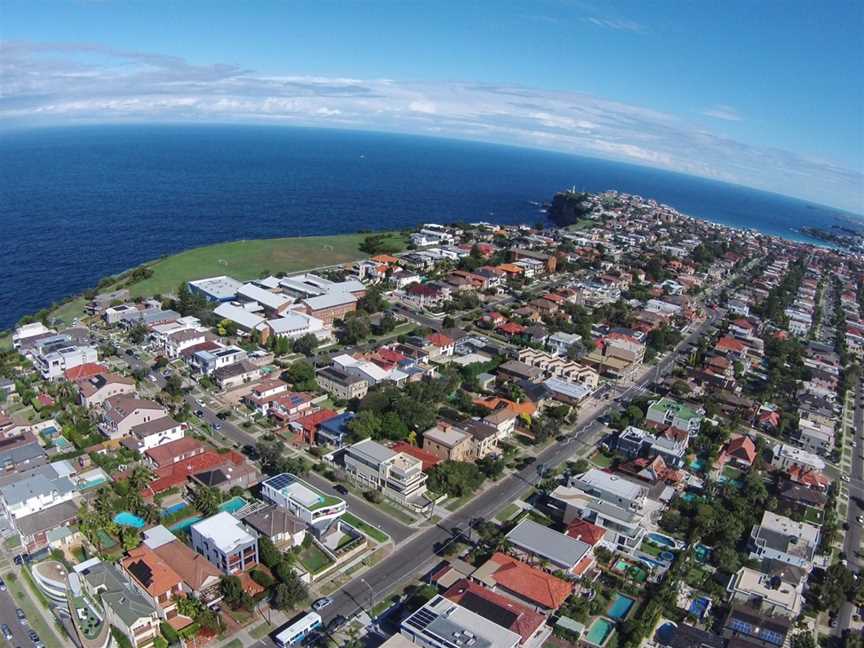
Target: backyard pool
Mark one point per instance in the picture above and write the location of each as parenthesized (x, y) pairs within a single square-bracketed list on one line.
[(93, 483), (666, 632), (660, 539), (233, 505), (633, 571), (698, 607), (600, 631), (63, 444), (702, 552), (620, 606), (125, 518), (697, 465), (185, 523), (171, 510), (668, 556)]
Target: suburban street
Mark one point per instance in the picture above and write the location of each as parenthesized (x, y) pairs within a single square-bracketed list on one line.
[(852, 540)]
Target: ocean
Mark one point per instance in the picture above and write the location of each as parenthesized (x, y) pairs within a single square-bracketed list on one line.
[(80, 203)]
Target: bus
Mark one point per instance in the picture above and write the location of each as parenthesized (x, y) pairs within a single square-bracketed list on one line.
[(297, 630)]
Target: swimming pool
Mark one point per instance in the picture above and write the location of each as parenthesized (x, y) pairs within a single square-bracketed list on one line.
[(125, 518), (600, 631), (233, 505), (701, 552), (668, 556), (620, 606), (185, 523), (93, 483), (698, 607), (62, 443), (660, 539), (171, 510), (697, 465)]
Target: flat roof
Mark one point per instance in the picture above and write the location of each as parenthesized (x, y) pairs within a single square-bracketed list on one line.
[(224, 530), (543, 541)]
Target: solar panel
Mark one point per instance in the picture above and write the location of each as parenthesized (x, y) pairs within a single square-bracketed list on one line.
[(773, 637), (280, 481), (741, 626)]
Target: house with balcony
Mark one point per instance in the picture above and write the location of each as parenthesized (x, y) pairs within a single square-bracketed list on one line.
[(634, 442), (780, 538), (160, 585), (95, 390), (152, 434), (199, 577), (317, 509), (224, 541), (538, 543), (397, 475), (668, 412), (124, 606), (122, 412)]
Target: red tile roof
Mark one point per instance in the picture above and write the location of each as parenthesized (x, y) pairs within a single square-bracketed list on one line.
[(167, 453), (530, 583), (86, 370), (439, 340), (742, 448), (730, 344), (511, 328), (151, 572), (526, 620), (585, 531), (429, 460), (177, 474)]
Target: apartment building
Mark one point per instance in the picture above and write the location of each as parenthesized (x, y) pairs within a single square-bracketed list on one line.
[(397, 475), (340, 384)]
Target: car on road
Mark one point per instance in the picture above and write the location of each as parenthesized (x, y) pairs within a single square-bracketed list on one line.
[(199, 413), (2, 585), (217, 426), (336, 622), (151, 378), (341, 490), (322, 603), (845, 477), (22, 618), (860, 519), (7, 633)]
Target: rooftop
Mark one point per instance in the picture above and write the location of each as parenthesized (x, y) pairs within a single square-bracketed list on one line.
[(224, 530)]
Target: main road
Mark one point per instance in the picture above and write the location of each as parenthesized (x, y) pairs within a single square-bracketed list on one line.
[(852, 540)]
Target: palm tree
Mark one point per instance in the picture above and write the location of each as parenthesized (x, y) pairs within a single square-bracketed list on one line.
[(140, 477)]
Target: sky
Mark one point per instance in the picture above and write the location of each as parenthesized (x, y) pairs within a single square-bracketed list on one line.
[(764, 94)]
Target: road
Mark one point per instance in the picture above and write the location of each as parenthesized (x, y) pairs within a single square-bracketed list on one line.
[(7, 616), (852, 540)]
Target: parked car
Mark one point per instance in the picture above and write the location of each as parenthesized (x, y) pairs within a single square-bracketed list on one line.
[(322, 603), (341, 489), (22, 618), (2, 585), (7, 633)]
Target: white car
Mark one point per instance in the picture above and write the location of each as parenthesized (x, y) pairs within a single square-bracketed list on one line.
[(860, 519), (845, 478)]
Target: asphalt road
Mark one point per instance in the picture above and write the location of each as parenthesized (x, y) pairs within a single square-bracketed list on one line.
[(7, 616), (852, 540)]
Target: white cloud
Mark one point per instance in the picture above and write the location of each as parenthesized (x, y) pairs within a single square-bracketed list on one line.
[(63, 83), (617, 25), (727, 113)]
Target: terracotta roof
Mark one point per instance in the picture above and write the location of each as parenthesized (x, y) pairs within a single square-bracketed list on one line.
[(176, 474), (730, 344), (150, 571), (530, 583), (190, 566), (475, 597), (511, 328), (166, 453), (439, 340), (312, 421), (429, 460), (742, 448), (85, 370), (585, 531), (495, 403)]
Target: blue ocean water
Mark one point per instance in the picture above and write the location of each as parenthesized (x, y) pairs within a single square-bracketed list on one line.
[(80, 203)]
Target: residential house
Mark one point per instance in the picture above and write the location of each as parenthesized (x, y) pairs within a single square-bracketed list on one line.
[(542, 544), (317, 509), (509, 575), (122, 412), (341, 384), (174, 452), (770, 594), (95, 390), (667, 412), (224, 541), (780, 538), (160, 585), (278, 525), (124, 607), (334, 431), (199, 577), (156, 432), (448, 443)]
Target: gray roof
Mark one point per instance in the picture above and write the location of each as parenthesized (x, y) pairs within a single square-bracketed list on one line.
[(274, 520), (544, 542), (330, 300), (371, 450), (49, 518), (33, 486), (117, 594)]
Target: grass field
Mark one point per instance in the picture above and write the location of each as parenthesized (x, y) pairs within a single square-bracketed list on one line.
[(242, 260), (313, 559), (368, 529)]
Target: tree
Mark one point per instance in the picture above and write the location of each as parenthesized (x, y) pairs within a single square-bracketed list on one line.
[(301, 375), (306, 344), (290, 593), (232, 590), (367, 424), (207, 500), (355, 329), (268, 553), (373, 301), (455, 478), (261, 577)]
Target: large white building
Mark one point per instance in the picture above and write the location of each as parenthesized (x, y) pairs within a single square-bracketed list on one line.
[(316, 509), (397, 475), (224, 541)]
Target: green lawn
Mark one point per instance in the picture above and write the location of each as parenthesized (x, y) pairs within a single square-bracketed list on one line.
[(37, 622), (313, 559), (260, 631), (249, 259), (363, 527), (601, 460), (240, 259), (507, 512)]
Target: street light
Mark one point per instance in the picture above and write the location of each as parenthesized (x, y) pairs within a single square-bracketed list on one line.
[(371, 597)]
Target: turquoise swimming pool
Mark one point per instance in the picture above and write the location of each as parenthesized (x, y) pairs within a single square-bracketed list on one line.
[(185, 523), (600, 632), (232, 505), (171, 510), (125, 518), (620, 606)]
